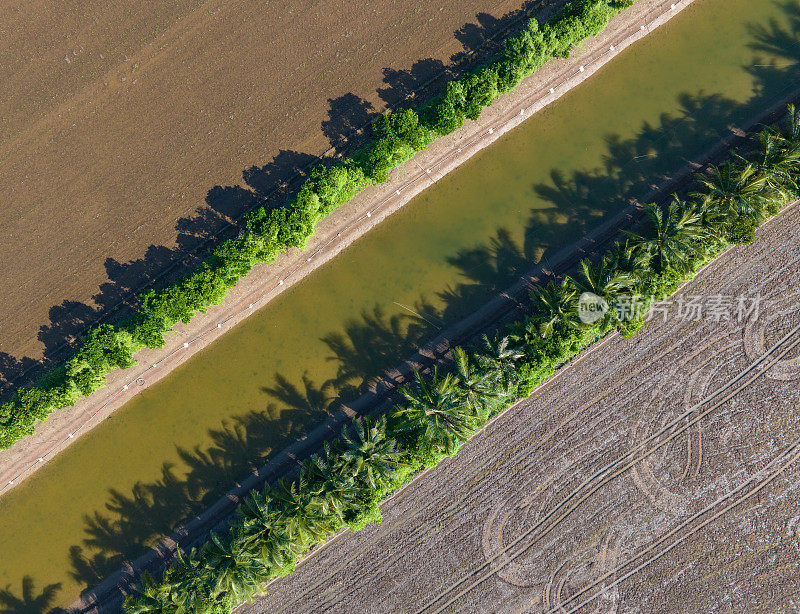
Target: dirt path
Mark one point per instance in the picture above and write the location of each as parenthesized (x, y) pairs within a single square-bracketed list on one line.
[(655, 474), (334, 234)]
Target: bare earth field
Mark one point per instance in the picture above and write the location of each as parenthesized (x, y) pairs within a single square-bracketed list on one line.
[(119, 119), (655, 474)]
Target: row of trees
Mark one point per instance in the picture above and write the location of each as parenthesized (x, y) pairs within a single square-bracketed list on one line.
[(396, 137), (343, 486)]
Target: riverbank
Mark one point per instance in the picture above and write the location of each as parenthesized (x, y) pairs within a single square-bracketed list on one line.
[(334, 234)]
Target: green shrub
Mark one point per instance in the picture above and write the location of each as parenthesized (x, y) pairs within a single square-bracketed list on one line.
[(446, 113), (742, 231)]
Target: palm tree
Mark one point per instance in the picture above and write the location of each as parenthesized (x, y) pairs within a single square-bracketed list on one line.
[(630, 261), (435, 407), (237, 573), (150, 597), (554, 305), (263, 535), (673, 237), (301, 511), (779, 166), (188, 583), (736, 189), (710, 217), (498, 357), (477, 389), (601, 279), (789, 133), (368, 454), (327, 479)]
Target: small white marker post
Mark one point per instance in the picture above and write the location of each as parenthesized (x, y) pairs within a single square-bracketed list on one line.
[(612, 47), (186, 345), (219, 325), (41, 460), (581, 69), (71, 435), (552, 90), (397, 192), (280, 283), (369, 214), (491, 130), (250, 306), (125, 387)]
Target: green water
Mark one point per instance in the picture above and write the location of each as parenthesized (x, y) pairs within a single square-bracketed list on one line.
[(268, 381)]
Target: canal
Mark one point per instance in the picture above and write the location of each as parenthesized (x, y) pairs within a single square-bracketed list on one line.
[(183, 441)]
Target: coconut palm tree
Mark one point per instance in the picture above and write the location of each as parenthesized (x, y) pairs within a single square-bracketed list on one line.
[(554, 305), (710, 217), (188, 583), (434, 406), (736, 190), (368, 454), (625, 258), (779, 166), (236, 573), (475, 385), (263, 535), (789, 131), (674, 236), (498, 357), (334, 487), (151, 597), (601, 279), (300, 511)]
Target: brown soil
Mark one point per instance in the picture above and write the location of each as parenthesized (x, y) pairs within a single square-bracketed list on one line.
[(334, 234), (654, 474)]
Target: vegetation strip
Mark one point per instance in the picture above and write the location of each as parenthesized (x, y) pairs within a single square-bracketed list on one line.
[(345, 484), (397, 136)]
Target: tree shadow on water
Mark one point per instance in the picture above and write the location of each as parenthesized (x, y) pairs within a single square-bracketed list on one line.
[(374, 342), (131, 522), (781, 41), (28, 602)]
